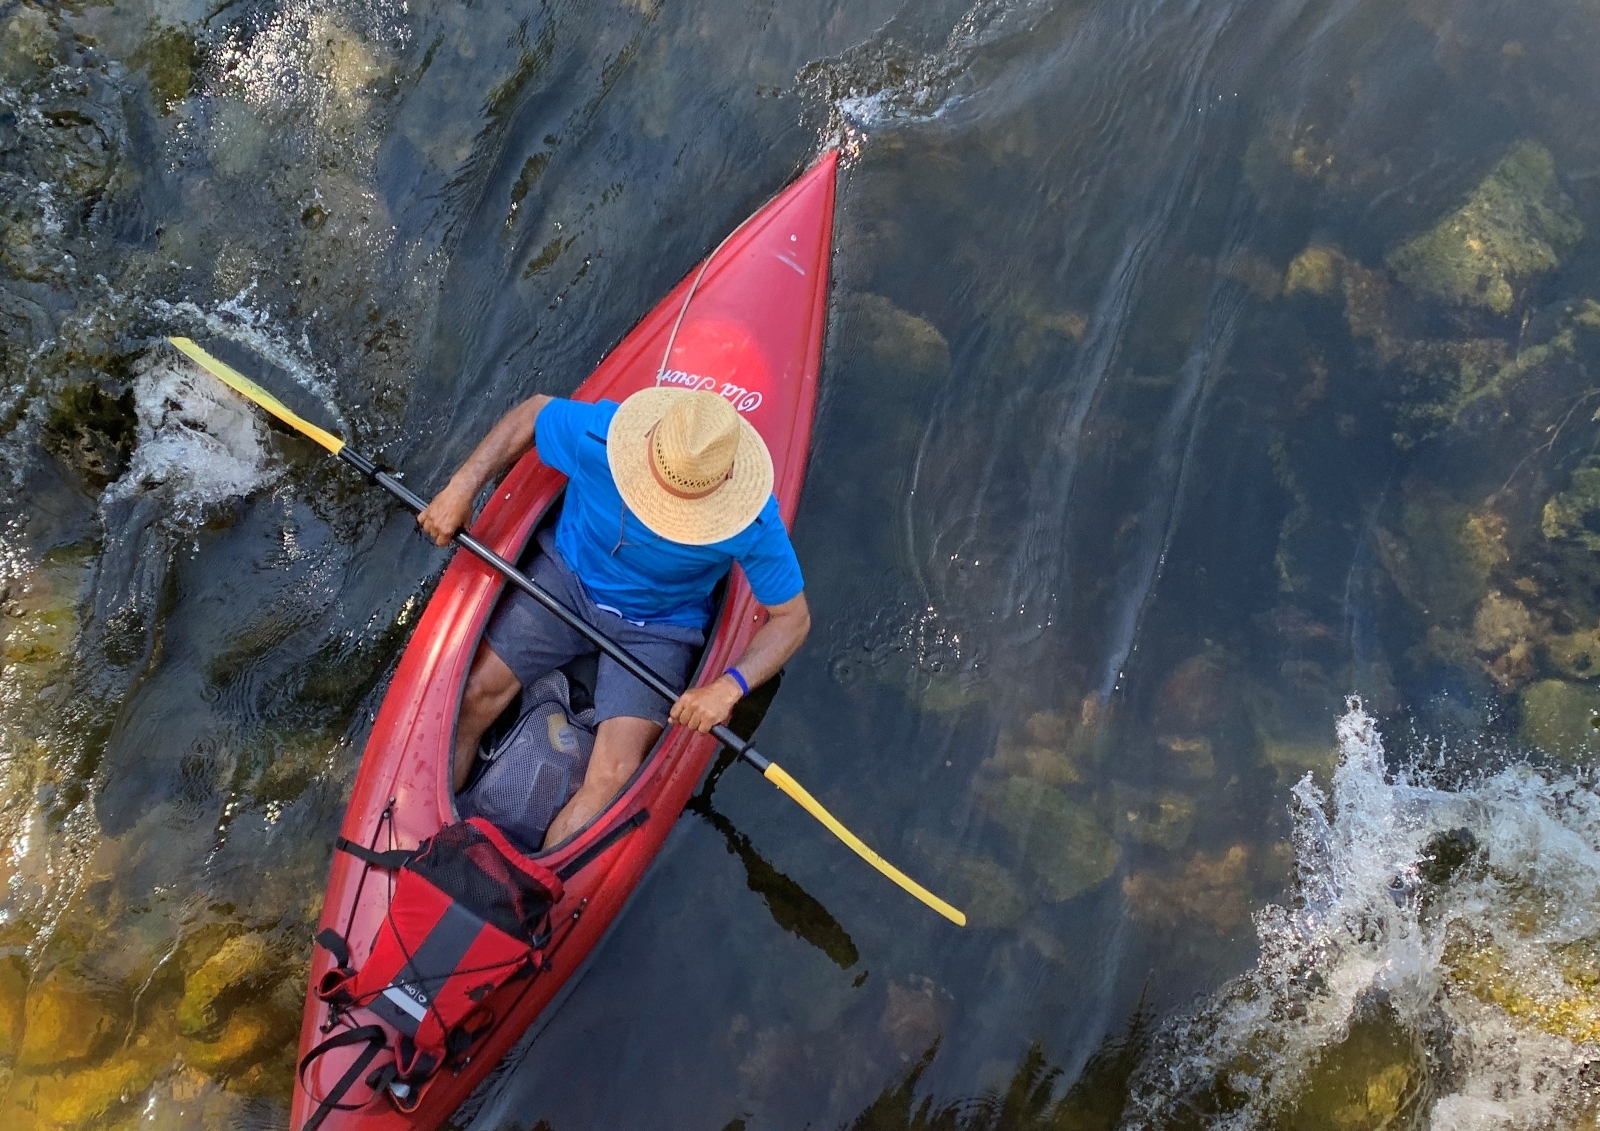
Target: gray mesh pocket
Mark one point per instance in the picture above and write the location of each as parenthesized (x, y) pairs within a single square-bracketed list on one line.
[(534, 769)]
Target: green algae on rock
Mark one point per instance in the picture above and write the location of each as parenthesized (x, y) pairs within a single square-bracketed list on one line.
[(1441, 554), (1562, 719), (1559, 999), (1573, 515), (171, 61), (13, 996), (39, 621), (1515, 225)]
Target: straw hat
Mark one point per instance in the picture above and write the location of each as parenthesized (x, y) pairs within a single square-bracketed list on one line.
[(688, 464)]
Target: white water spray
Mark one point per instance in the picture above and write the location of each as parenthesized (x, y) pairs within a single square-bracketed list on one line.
[(197, 439), (1468, 915)]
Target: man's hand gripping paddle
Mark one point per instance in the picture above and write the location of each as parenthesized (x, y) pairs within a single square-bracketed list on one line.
[(770, 770)]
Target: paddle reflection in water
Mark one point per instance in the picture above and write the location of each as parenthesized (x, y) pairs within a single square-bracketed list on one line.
[(792, 907)]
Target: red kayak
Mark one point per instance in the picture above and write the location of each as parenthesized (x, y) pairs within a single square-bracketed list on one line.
[(748, 323)]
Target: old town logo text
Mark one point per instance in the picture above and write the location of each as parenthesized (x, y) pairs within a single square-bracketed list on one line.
[(745, 400)]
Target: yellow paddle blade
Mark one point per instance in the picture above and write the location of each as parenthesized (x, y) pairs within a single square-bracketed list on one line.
[(248, 389), (780, 778)]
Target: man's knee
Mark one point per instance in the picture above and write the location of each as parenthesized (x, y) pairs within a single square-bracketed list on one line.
[(490, 683), (620, 744)]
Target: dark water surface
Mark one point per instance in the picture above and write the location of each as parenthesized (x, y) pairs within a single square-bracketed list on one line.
[(1192, 366)]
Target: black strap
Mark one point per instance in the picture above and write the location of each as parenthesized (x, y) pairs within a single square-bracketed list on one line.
[(375, 1040), (334, 943), (394, 859), (586, 857)]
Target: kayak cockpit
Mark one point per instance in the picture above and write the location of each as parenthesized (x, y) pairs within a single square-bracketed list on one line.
[(532, 758)]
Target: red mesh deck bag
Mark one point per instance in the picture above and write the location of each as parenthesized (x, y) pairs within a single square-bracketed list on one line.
[(469, 914)]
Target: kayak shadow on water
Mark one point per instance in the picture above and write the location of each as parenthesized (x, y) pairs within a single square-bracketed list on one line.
[(792, 907)]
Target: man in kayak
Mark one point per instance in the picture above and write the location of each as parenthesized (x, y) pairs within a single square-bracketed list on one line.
[(665, 491)]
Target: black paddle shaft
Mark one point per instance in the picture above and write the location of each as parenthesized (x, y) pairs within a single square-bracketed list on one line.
[(377, 474)]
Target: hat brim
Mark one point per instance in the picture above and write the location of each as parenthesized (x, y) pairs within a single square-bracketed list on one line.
[(693, 522)]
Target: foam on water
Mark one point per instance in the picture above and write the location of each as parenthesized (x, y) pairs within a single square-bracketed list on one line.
[(1487, 960), (198, 440), (313, 54), (888, 78)]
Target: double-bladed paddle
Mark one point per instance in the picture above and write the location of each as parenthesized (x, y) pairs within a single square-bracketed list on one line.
[(748, 753)]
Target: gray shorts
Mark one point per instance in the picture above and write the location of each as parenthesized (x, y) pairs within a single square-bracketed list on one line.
[(533, 643)]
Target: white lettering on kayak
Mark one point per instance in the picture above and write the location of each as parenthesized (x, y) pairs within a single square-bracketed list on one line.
[(745, 400), (687, 380)]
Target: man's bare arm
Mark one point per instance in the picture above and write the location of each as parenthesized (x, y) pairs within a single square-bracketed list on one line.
[(507, 442), (780, 638)]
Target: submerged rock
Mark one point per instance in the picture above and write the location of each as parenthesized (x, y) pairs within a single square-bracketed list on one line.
[(1576, 654), (1556, 998), (1507, 635), (1375, 1079), (1192, 698), (92, 432), (915, 1013), (1324, 270), (1293, 758), (1562, 719), (1060, 840), (27, 44), (1573, 515), (1194, 756), (991, 896), (1256, 272), (1043, 327), (1514, 226), (894, 339), (78, 1099), (1437, 379), (1212, 888), (65, 1020), (1316, 270), (1165, 818), (251, 1033), (242, 962), (1045, 750)]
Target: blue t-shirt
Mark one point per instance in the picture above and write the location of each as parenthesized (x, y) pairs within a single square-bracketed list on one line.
[(624, 564)]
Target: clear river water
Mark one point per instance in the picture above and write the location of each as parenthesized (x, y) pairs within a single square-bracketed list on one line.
[(1202, 533)]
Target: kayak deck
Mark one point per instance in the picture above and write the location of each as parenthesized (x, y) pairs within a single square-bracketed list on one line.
[(748, 323)]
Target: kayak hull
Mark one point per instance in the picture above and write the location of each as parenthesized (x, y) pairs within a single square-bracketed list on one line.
[(748, 324)]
